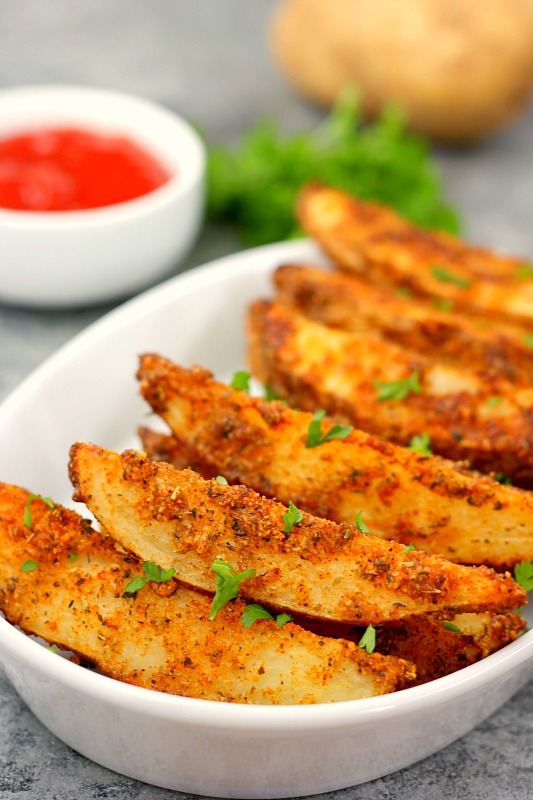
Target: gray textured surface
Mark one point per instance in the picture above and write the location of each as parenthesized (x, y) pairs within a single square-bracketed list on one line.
[(208, 60)]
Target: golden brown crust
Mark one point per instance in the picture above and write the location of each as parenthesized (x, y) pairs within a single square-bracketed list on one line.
[(318, 569), (312, 367), (76, 598), (428, 502), (375, 243), (342, 300)]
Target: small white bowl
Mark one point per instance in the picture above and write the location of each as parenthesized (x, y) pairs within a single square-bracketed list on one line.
[(75, 258)]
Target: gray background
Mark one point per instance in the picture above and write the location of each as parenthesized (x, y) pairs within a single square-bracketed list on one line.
[(208, 60)]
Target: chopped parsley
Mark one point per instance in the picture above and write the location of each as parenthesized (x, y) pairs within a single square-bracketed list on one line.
[(253, 612), (227, 583), (28, 522), (445, 276), (524, 272), (528, 340), (368, 639), (408, 549), (72, 557), (360, 524), (152, 573), (443, 303), (314, 434), (421, 443), (29, 565), (494, 402), (451, 627), (523, 574), (241, 381), (271, 394), (403, 292), (221, 480), (291, 518), (253, 185), (502, 478), (398, 390)]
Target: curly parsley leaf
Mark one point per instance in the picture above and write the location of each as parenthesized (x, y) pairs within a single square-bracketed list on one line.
[(254, 183), (291, 518), (368, 639), (253, 612), (28, 522), (227, 583), (421, 443), (314, 433), (398, 390), (523, 574)]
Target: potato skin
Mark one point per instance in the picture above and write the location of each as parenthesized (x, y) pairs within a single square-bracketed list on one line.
[(461, 70)]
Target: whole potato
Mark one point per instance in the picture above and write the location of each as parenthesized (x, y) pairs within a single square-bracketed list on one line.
[(461, 69)]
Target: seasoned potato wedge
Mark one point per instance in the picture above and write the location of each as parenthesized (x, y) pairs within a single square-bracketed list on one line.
[(344, 301), (377, 244), (313, 568), (393, 393), (75, 597), (425, 501), (437, 648)]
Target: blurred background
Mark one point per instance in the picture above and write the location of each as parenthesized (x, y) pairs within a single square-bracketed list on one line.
[(211, 62)]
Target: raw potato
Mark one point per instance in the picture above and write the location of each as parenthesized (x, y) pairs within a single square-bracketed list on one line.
[(460, 69)]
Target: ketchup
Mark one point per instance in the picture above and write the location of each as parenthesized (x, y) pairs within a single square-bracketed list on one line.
[(69, 169)]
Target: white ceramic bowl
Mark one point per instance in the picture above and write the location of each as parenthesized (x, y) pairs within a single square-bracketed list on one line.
[(88, 391), (75, 258)]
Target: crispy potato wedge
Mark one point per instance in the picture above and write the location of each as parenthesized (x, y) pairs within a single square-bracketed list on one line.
[(343, 301), (161, 637), (314, 367), (425, 501), (317, 569), (374, 242), (437, 648)]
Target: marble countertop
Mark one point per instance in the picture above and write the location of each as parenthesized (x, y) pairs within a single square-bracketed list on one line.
[(209, 61)]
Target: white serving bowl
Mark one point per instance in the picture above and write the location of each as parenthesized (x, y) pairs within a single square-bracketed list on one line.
[(87, 391), (75, 258)]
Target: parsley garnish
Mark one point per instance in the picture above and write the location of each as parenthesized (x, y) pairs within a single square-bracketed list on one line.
[(421, 443), (241, 381), (443, 303), (291, 518), (28, 522), (524, 272), (227, 584), (153, 573), (72, 557), (445, 276), (408, 549), (398, 390), (253, 612), (221, 480), (528, 340), (502, 478), (314, 435), (523, 574), (271, 394), (368, 639), (254, 184), (451, 627), (403, 292), (494, 402), (360, 524), (29, 565)]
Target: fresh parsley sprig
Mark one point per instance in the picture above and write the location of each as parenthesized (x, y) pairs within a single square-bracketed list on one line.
[(253, 612), (253, 184), (523, 574), (398, 390), (152, 573), (227, 584), (314, 433)]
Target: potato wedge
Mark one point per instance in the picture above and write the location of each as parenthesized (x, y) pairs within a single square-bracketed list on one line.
[(316, 569), (393, 393), (374, 242), (75, 598), (342, 300), (425, 501)]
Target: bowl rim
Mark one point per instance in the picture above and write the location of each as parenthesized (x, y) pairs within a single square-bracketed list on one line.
[(179, 183)]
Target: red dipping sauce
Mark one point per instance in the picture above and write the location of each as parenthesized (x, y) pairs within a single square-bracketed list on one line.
[(70, 169)]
